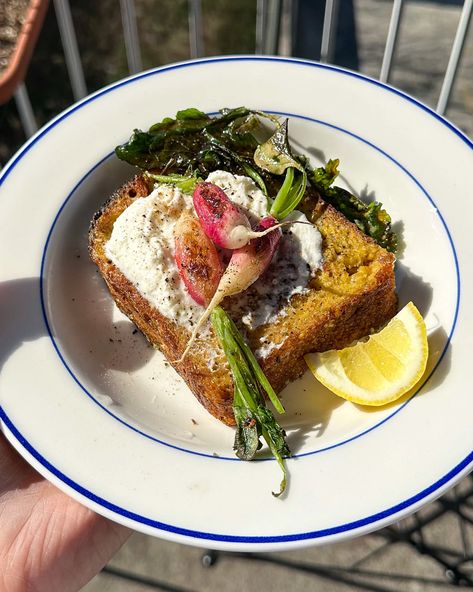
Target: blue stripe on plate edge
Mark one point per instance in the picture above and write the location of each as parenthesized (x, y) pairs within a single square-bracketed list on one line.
[(233, 538)]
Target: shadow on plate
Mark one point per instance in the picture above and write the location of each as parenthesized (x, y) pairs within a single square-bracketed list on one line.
[(20, 311), (412, 287), (309, 407), (80, 310)]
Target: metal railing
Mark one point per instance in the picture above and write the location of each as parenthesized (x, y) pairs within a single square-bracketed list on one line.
[(269, 37)]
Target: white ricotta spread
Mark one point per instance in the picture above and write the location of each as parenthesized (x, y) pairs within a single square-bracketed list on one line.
[(244, 192), (267, 348), (142, 247)]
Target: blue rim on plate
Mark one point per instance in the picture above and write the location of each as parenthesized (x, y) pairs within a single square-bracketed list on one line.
[(434, 488)]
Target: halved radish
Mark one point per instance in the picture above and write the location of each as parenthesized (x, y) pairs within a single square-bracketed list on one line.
[(197, 259)]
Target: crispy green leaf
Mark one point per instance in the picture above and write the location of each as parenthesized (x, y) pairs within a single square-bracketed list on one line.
[(240, 135), (323, 177), (191, 113), (274, 155), (247, 435), (177, 145), (275, 431), (186, 183), (136, 150)]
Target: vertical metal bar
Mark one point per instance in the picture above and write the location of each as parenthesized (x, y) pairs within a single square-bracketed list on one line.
[(327, 46), (130, 34), (287, 24), (71, 50), (455, 55), (260, 25), (391, 40), (196, 38), (28, 120), (273, 23)]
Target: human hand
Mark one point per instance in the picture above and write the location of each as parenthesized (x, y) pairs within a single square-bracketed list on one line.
[(48, 541)]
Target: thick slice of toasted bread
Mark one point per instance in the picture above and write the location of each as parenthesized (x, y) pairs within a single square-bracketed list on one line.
[(352, 295)]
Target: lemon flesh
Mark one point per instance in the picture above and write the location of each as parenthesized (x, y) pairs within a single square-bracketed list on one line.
[(380, 369)]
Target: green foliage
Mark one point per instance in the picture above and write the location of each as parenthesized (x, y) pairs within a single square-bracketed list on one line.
[(195, 144), (192, 141)]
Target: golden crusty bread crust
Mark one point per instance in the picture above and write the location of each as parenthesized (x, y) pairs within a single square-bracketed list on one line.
[(349, 297)]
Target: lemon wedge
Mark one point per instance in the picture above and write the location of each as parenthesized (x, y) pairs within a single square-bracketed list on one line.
[(380, 369)]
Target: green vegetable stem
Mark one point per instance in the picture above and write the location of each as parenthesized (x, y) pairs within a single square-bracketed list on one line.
[(291, 193), (253, 419)]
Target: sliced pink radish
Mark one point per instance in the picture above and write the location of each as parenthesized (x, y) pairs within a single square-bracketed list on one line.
[(197, 259)]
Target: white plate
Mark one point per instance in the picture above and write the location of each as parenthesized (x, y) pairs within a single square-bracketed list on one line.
[(98, 413)]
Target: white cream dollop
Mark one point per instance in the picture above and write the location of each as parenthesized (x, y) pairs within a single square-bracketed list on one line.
[(243, 192), (142, 247)]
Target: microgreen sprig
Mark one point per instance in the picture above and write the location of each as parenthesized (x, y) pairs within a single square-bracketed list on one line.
[(290, 194), (185, 183)]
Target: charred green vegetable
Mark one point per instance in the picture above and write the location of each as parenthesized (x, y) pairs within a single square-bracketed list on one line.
[(252, 417), (370, 218), (275, 155), (193, 141)]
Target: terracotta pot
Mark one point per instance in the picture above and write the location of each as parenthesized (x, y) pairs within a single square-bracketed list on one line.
[(15, 72)]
